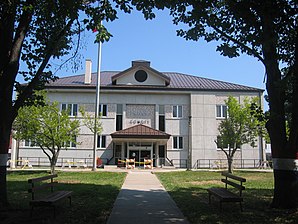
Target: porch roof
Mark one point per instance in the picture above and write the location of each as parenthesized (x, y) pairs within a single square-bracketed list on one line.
[(140, 131)]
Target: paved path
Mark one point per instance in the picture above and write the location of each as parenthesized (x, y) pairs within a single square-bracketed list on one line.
[(144, 200)]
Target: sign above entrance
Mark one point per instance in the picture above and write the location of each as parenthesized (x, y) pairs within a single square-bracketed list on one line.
[(140, 121)]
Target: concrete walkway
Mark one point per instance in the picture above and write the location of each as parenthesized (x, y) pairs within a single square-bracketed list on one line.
[(144, 200)]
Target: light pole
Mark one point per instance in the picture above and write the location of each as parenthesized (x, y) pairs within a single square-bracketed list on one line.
[(96, 106)]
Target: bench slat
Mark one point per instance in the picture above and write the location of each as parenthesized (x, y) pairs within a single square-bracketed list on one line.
[(51, 198), (34, 180), (226, 174), (225, 195), (42, 186), (238, 186)]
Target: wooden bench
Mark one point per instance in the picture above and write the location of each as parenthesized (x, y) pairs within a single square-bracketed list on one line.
[(224, 194), (44, 197)]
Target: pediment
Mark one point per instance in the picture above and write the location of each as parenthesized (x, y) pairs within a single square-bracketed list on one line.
[(141, 74)]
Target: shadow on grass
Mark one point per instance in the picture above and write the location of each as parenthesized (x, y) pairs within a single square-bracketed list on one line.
[(91, 203), (194, 203)]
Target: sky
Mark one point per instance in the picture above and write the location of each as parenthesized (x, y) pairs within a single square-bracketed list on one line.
[(135, 38)]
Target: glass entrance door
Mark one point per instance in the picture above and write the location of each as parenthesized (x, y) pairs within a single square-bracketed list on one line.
[(134, 154), (145, 154), (140, 151)]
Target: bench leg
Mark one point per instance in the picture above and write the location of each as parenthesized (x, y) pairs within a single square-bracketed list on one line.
[(69, 200), (241, 207), (31, 212), (54, 208)]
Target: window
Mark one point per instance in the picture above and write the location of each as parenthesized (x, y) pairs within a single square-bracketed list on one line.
[(71, 144), (119, 117), (101, 141), (221, 111), (29, 143), (141, 76), (161, 118), (177, 142), (71, 108), (177, 111), (103, 110)]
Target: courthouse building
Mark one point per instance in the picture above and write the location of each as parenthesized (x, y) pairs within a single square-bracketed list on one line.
[(165, 116)]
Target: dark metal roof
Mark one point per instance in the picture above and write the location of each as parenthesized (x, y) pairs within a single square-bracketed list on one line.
[(178, 81), (140, 131)]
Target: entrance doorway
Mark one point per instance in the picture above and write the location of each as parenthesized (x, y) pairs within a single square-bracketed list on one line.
[(140, 151)]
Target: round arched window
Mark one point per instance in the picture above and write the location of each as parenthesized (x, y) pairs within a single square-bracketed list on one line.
[(141, 76)]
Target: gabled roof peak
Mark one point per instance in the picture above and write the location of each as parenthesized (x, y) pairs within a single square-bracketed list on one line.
[(144, 67), (140, 131)]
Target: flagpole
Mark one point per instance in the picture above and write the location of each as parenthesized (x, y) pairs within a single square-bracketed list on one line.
[(96, 105)]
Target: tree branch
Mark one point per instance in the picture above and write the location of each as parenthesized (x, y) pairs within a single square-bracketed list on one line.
[(21, 31), (252, 51), (76, 51), (32, 84), (8, 13), (45, 152)]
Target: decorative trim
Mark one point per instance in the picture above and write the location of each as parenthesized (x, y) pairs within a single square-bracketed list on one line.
[(285, 164), (3, 159)]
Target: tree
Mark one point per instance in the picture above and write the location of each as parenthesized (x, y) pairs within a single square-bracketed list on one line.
[(47, 127), (32, 32), (238, 128), (93, 123), (89, 121), (268, 31)]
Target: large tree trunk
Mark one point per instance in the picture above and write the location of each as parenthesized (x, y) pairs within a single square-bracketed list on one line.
[(5, 131), (285, 157), (284, 153)]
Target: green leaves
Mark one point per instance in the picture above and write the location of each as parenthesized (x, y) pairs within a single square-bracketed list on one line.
[(46, 126), (228, 50), (240, 127), (237, 25), (90, 122)]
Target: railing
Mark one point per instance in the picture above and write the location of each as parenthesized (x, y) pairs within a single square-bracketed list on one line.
[(237, 163), (61, 162), (178, 163), (165, 162), (181, 163)]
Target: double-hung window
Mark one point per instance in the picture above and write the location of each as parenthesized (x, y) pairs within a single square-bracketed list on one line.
[(119, 117), (101, 141), (221, 111), (161, 118), (71, 144), (177, 142), (103, 110), (29, 143), (72, 109), (177, 111)]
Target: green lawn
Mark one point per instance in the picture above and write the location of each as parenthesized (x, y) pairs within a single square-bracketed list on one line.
[(93, 197), (95, 193), (188, 189)]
